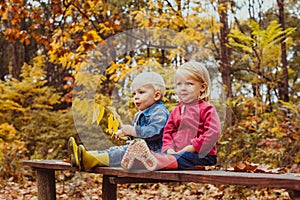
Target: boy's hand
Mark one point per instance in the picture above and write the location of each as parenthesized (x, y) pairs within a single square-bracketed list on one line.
[(128, 130), (120, 135)]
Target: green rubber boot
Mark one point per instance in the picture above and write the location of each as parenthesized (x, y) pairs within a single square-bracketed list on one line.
[(90, 159)]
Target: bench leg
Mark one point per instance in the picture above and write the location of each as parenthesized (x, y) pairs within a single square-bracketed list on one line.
[(46, 184), (294, 194), (109, 190)]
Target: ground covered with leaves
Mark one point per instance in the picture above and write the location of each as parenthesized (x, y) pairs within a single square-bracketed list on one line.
[(88, 186)]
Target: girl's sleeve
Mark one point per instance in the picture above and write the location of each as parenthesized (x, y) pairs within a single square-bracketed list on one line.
[(168, 134), (206, 141)]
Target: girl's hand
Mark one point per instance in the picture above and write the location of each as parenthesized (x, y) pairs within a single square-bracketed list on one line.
[(171, 151), (189, 148)]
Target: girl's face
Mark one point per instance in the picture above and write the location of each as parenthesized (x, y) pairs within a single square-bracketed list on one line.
[(187, 88), (145, 96)]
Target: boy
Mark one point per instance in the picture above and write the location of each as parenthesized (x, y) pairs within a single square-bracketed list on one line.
[(148, 90)]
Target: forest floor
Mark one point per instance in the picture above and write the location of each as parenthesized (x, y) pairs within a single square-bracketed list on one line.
[(84, 186)]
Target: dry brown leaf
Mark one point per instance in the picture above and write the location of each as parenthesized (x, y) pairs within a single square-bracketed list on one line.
[(243, 166)]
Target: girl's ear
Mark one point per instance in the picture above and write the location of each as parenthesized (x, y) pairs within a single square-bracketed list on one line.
[(203, 87), (157, 95)]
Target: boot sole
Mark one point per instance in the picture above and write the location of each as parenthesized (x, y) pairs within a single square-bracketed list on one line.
[(139, 150), (128, 158), (80, 159), (73, 154)]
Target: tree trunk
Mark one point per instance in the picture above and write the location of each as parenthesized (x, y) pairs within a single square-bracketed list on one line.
[(16, 59), (283, 84), (225, 56)]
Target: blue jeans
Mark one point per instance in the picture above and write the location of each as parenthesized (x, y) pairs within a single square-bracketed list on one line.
[(116, 154), (192, 160)]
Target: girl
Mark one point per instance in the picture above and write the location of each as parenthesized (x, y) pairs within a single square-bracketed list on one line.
[(192, 130)]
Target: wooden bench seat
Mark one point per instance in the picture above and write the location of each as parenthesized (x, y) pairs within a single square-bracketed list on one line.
[(45, 170)]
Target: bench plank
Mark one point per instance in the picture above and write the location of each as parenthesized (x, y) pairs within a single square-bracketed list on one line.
[(115, 175), (287, 181)]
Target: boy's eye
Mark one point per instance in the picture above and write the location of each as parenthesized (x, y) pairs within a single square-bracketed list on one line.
[(138, 92)]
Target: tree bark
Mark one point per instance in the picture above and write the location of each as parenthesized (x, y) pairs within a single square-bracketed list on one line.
[(283, 83), (225, 55)]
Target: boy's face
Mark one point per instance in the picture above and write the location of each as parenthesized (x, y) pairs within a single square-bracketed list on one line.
[(187, 88), (145, 96)]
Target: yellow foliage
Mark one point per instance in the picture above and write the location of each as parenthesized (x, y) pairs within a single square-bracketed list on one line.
[(222, 7), (90, 81), (255, 79), (112, 68), (193, 21), (92, 36), (65, 60), (105, 30), (297, 159), (4, 14), (77, 27), (7, 132), (39, 61), (245, 57)]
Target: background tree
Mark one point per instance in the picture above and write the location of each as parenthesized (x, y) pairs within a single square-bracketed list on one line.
[(29, 127), (225, 54), (52, 41), (284, 88)]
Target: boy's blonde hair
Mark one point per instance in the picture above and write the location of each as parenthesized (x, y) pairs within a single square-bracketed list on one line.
[(198, 72), (150, 78)]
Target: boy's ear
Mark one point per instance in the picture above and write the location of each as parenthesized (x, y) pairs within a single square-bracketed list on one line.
[(157, 96)]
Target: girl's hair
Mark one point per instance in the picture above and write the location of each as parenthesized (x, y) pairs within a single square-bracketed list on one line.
[(150, 78), (198, 72)]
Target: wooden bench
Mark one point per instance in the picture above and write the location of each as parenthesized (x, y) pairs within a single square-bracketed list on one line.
[(45, 170)]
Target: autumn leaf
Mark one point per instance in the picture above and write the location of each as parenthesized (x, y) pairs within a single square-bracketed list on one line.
[(244, 167), (98, 113)]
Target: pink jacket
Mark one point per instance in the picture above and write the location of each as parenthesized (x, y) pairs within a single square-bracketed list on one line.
[(196, 123)]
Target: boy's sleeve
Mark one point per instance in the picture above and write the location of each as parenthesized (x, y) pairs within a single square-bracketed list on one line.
[(158, 120)]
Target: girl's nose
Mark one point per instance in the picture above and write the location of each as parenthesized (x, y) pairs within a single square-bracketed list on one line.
[(182, 87)]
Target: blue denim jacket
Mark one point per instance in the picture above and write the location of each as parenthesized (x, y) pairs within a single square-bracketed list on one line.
[(149, 125)]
